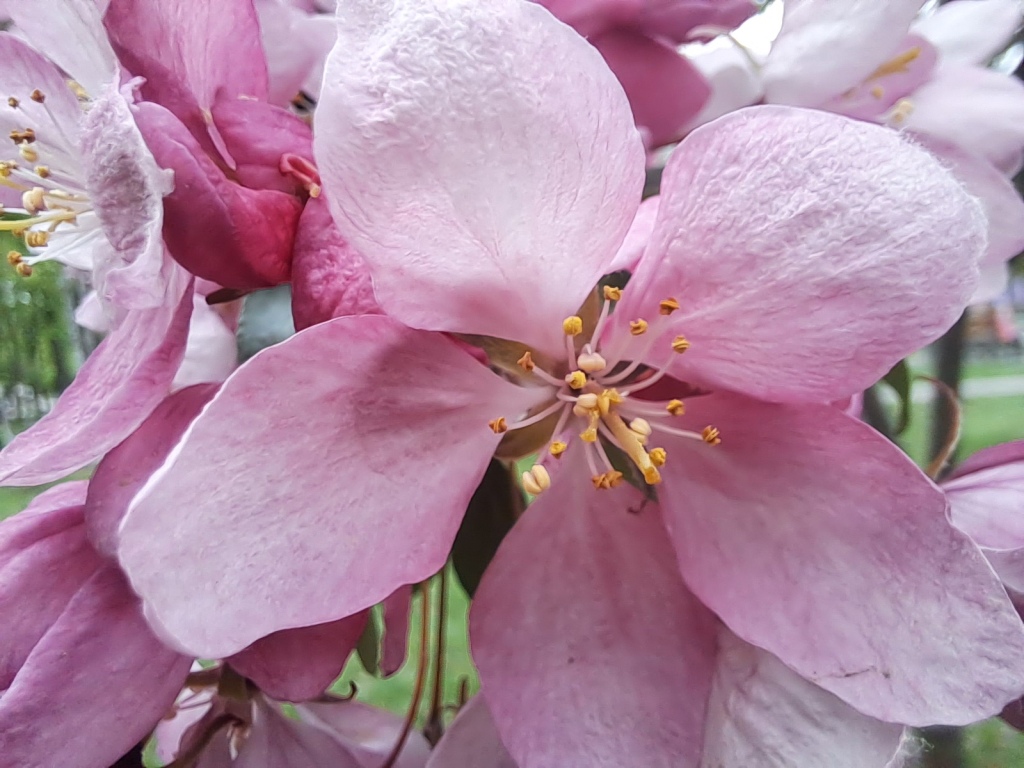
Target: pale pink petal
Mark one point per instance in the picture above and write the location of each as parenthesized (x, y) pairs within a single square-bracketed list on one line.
[(89, 314), (675, 19), (813, 537), (825, 47), (472, 741), (590, 649), (173, 730), (300, 664), (763, 714), (637, 237), (664, 89), (800, 266), (395, 643), (734, 81), (125, 469), (211, 352), (123, 380), (970, 31), (477, 182), (986, 496), (369, 733), (96, 684), (329, 278), (275, 740), (977, 109), (308, 467), (297, 43)]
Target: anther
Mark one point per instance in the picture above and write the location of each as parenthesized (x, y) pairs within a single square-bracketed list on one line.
[(607, 480), (676, 407), (572, 325), (878, 92), (526, 361), (637, 327), (557, 449), (711, 435), (27, 153), (32, 200), (536, 481), (668, 306), (498, 425), (587, 401), (43, 171), (37, 238), (611, 293), (23, 269), (576, 380), (641, 427), (589, 435), (12, 102), (591, 362), (25, 136), (80, 93), (658, 456), (13, 258), (680, 344), (37, 96), (6, 167)]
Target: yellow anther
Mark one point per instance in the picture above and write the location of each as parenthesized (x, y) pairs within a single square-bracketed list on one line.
[(896, 64), (591, 362), (576, 380), (680, 344), (537, 480), (901, 111), (526, 361), (33, 201), (23, 269), (80, 93), (13, 258), (711, 435), (651, 475), (26, 136), (498, 425), (12, 102), (37, 238), (589, 435), (658, 456), (43, 171), (557, 449), (6, 167), (878, 92), (607, 399), (637, 327), (668, 306), (609, 479), (676, 407), (27, 153), (37, 96), (598, 481), (572, 326), (612, 293)]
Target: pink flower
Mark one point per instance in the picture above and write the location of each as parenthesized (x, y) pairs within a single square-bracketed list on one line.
[(488, 202), (297, 37)]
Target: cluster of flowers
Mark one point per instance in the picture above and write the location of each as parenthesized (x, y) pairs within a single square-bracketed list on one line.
[(722, 566)]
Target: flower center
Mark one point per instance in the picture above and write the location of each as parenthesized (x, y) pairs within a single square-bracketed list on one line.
[(596, 404)]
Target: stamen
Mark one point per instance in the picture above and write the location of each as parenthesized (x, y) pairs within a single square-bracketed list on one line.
[(33, 200), (711, 435), (12, 102), (37, 96), (585, 403), (606, 480), (557, 448), (572, 325), (611, 293), (668, 306), (638, 327), (37, 239), (708, 435), (526, 361), (591, 362), (13, 258), (897, 64), (26, 136), (498, 425), (43, 171), (878, 92), (680, 344), (530, 420), (537, 480), (658, 456), (630, 444), (607, 399), (576, 380), (676, 407), (641, 428), (27, 153), (23, 269)]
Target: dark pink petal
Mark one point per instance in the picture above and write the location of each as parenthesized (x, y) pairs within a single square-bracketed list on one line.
[(308, 467), (395, 644), (477, 183), (763, 714), (329, 278), (472, 741), (664, 89), (121, 383), (592, 17), (813, 537), (96, 683), (369, 733), (971, 32), (590, 649), (786, 257), (126, 468), (300, 664), (275, 741)]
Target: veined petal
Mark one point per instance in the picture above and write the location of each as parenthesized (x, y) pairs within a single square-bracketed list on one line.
[(308, 467), (784, 528), (471, 741), (590, 649), (970, 31), (472, 177), (785, 256), (986, 496), (369, 733)]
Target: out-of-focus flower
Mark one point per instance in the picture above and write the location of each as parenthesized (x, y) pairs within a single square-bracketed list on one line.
[(297, 37)]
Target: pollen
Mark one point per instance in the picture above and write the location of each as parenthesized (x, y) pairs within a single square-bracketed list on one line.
[(36, 238), (878, 92), (572, 325), (536, 481), (612, 293), (651, 475), (576, 380), (498, 425), (676, 407), (526, 361), (680, 344), (896, 64), (37, 96), (6, 167), (591, 362), (589, 435), (668, 306), (638, 327), (658, 456), (557, 449), (711, 435)]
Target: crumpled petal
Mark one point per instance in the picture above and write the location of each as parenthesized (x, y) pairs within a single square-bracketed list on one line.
[(801, 512), (96, 683), (785, 257), (471, 741), (369, 733), (284, 477), (825, 47), (120, 384), (300, 664), (581, 621), (970, 31), (473, 179)]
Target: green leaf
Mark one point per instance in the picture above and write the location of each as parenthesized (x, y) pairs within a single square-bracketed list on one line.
[(900, 380)]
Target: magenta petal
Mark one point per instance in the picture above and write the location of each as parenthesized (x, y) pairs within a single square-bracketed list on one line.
[(96, 683), (369, 733), (778, 286), (123, 380), (800, 513), (476, 183), (300, 664), (293, 496), (471, 741), (395, 644), (582, 621)]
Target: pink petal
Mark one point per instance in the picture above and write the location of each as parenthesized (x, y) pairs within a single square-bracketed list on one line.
[(369, 733), (800, 513), (395, 644), (978, 109), (96, 684), (590, 649), (986, 496), (638, 236), (211, 352), (297, 43), (664, 89), (734, 81), (787, 257), (592, 17), (762, 713), (329, 278), (825, 47), (471, 741), (477, 184), (121, 383), (125, 469), (300, 664), (284, 476), (677, 18), (971, 32), (275, 741)]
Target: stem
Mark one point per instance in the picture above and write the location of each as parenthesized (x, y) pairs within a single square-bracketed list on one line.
[(435, 724), (949, 370)]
